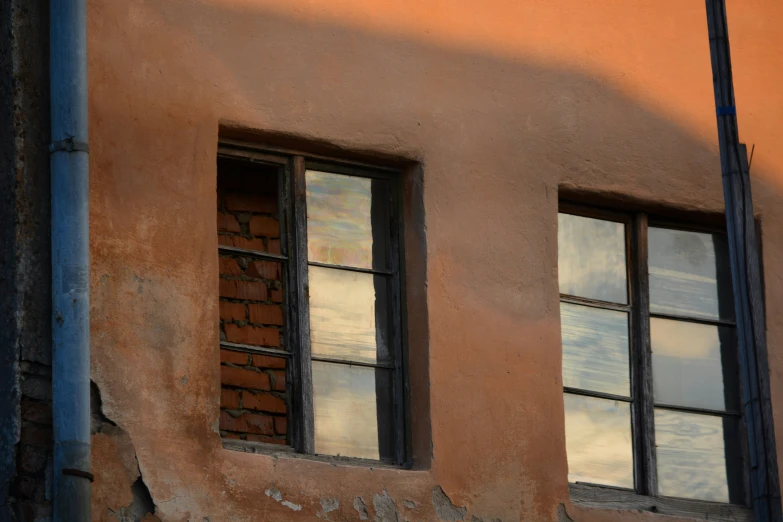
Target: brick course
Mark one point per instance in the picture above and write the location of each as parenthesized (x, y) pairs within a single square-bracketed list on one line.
[(266, 314), (262, 402), (242, 378), (255, 335), (232, 311), (253, 395), (265, 361), (229, 399), (264, 226)]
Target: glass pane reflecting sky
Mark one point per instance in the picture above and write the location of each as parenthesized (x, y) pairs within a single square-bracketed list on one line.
[(685, 274), (595, 349), (691, 455), (340, 214), (346, 410), (348, 315), (687, 366), (598, 441), (591, 258)]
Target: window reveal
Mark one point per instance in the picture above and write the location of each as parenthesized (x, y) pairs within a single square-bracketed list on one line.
[(649, 358), (310, 308)]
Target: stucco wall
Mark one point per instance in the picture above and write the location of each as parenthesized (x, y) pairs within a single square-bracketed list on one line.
[(504, 103)]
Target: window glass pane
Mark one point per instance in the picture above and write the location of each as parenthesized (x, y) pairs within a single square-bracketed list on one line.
[(253, 397), (598, 441), (248, 210), (251, 302), (698, 456), (689, 274), (591, 258), (595, 349), (347, 220), (348, 315), (694, 365), (353, 411)]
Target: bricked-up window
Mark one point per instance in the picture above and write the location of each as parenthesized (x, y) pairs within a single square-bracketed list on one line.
[(310, 324), (650, 364)]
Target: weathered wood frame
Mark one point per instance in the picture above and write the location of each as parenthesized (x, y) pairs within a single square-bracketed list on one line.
[(645, 496), (292, 165)]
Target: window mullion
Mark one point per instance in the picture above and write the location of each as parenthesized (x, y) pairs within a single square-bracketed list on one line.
[(300, 311), (644, 413)]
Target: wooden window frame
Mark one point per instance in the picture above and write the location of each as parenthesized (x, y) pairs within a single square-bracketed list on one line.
[(644, 496), (291, 168)]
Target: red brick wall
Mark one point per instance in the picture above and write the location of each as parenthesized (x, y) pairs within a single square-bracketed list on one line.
[(253, 387)]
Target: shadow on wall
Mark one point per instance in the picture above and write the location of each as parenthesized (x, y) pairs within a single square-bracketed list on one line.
[(505, 133)]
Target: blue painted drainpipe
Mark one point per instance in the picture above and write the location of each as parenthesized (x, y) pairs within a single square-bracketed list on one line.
[(69, 156)]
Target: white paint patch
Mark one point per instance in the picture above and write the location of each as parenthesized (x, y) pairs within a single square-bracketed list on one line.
[(278, 497), (291, 505), (274, 493)]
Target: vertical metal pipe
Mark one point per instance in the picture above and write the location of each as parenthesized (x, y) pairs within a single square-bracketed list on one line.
[(746, 281), (70, 260)]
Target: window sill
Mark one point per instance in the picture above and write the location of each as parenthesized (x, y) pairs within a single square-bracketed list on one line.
[(591, 496), (281, 451)]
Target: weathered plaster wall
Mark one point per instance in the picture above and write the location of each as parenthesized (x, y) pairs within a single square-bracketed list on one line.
[(504, 103)]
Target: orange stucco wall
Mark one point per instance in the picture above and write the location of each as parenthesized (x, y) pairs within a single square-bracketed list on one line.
[(504, 102)]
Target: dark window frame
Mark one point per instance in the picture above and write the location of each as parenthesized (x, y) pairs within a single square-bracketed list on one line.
[(291, 167), (645, 496)]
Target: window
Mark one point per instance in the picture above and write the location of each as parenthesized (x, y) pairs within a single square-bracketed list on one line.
[(310, 311), (650, 364)]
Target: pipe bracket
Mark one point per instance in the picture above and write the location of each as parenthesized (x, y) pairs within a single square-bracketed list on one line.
[(69, 145), (79, 473)]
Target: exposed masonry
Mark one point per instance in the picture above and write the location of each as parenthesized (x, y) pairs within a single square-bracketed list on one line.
[(30, 490), (361, 508), (142, 506), (327, 506), (98, 421), (385, 509), (444, 508), (253, 398), (277, 496)]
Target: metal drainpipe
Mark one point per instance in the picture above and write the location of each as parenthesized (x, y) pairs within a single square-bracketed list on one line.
[(746, 279), (70, 260)]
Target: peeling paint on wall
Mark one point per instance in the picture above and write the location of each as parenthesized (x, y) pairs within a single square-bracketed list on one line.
[(562, 514), (361, 508), (278, 497), (327, 506), (140, 508), (122, 472), (444, 507), (385, 509)]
